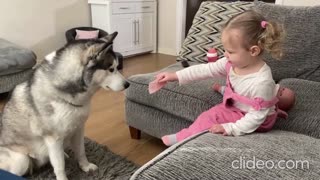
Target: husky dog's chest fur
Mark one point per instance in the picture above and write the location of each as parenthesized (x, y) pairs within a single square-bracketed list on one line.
[(66, 118)]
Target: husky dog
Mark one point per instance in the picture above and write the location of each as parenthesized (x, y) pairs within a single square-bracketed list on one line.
[(47, 113)]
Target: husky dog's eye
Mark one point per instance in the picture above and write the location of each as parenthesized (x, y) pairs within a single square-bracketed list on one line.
[(111, 69)]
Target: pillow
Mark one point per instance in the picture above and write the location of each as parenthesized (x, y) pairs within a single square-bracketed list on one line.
[(80, 34), (205, 32), (302, 45), (14, 59)]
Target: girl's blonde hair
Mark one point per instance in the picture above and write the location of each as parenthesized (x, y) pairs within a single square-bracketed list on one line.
[(269, 37)]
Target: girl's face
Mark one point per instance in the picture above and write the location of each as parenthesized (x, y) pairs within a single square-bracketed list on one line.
[(235, 51)]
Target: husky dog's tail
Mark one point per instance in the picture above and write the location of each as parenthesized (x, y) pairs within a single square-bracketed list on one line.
[(185, 63)]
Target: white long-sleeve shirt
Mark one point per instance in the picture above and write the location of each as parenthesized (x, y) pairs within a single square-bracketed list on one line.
[(258, 84)]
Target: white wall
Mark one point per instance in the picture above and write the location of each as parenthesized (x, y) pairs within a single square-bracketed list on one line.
[(167, 26), (298, 2), (40, 24)]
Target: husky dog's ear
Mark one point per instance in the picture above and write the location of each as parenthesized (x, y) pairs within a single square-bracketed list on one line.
[(105, 50), (98, 58), (110, 37), (105, 57), (91, 53), (91, 63), (93, 49), (98, 48)]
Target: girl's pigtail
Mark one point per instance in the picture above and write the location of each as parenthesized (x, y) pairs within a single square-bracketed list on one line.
[(272, 38)]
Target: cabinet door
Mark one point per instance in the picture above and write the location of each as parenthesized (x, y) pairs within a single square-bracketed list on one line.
[(125, 26), (144, 30)]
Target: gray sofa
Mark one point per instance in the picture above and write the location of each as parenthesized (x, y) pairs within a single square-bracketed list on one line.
[(15, 65), (292, 147)]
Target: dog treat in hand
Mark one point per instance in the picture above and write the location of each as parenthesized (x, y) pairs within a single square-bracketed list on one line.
[(155, 86)]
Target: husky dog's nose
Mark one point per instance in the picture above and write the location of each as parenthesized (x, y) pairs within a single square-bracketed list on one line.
[(126, 85)]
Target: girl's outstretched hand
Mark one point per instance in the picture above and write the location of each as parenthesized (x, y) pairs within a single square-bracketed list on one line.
[(218, 129), (166, 76)]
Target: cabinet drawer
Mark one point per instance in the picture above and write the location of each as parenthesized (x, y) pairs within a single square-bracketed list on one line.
[(144, 6), (121, 8)]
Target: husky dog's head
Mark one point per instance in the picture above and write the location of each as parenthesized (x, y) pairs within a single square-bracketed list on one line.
[(91, 62)]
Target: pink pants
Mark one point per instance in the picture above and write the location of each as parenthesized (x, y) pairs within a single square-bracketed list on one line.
[(220, 114)]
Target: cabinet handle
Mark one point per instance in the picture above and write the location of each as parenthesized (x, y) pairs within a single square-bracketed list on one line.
[(138, 31), (146, 7), (124, 8), (135, 27)]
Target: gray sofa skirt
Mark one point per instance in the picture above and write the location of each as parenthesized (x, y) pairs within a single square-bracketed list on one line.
[(154, 121)]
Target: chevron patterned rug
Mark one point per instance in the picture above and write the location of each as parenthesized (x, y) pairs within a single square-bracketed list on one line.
[(111, 166), (206, 27)]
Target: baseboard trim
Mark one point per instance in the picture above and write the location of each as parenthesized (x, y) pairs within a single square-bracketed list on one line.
[(167, 51)]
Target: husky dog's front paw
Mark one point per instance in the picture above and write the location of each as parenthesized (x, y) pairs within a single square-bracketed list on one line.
[(62, 178), (88, 167)]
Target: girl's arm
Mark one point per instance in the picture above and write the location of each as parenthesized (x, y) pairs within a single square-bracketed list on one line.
[(202, 71)]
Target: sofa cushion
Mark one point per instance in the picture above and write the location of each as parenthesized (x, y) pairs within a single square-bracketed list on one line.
[(206, 29), (14, 59), (186, 101), (302, 44), (304, 117), (254, 156)]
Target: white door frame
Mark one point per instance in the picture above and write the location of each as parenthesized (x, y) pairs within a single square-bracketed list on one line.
[(181, 23)]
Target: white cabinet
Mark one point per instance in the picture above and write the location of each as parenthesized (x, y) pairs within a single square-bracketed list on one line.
[(135, 21), (125, 42)]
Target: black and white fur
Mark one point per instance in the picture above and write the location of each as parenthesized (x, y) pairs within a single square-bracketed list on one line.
[(47, 114)]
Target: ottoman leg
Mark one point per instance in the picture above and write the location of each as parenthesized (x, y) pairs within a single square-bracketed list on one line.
[(135, 133)]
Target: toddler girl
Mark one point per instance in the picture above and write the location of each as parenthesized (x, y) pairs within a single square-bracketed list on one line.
[(249, 98)]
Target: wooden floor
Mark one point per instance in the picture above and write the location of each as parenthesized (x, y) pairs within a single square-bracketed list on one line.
[(106, 123)]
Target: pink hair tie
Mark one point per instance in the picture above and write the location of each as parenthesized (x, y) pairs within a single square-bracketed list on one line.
[(264, 24)]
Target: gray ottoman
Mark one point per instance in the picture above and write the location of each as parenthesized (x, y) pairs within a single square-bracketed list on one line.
[(15, 65), (274, 155)]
